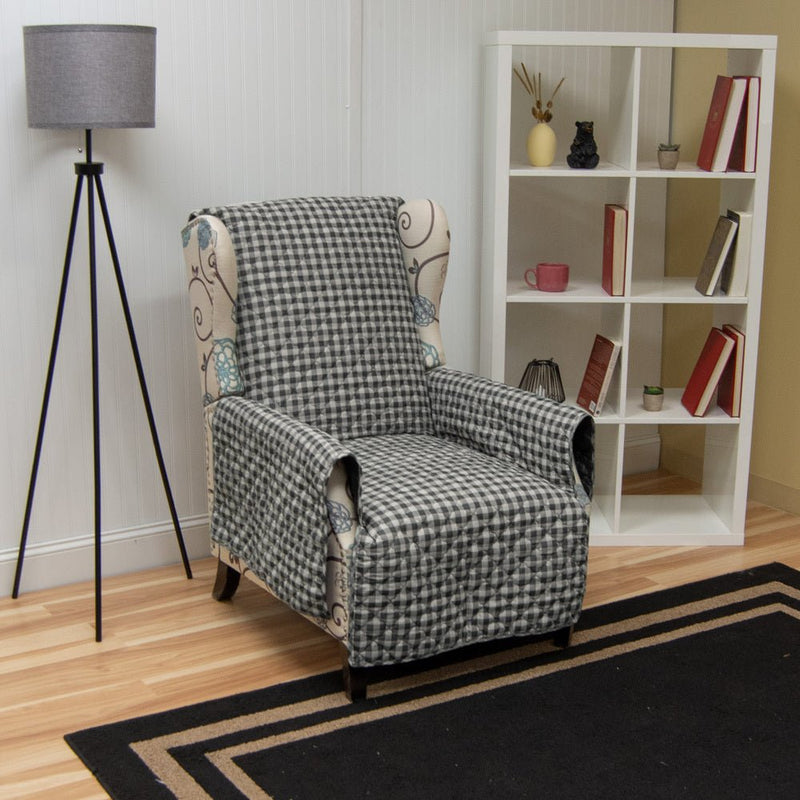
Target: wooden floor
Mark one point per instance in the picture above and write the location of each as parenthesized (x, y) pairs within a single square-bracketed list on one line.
[(167, 643)]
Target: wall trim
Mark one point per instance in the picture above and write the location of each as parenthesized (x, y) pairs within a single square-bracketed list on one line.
[(774, 494), (642, 454), (65, 561)]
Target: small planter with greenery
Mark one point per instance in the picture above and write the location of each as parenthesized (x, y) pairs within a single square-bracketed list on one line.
[(668, 155), (653, 398)]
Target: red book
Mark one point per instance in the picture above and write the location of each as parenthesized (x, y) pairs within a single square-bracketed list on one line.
[(707, 372), (615, 236), (716, 113), (729, 395), (597, 378), (745, 142)]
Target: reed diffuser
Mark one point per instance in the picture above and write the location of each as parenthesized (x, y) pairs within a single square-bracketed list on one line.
[(541, 138)]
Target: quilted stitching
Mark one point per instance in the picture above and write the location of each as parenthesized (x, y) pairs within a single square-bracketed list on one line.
[(550, 439), (271, 474), (325, 322), (457, 547), (474, 533)]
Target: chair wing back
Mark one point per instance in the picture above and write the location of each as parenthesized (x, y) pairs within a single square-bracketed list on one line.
[(324, 316), (425, 241), (210, 260)]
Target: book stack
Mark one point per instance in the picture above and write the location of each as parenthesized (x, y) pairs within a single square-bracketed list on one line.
[(730, 136), (727, 260), (615, 237), (718, 369)]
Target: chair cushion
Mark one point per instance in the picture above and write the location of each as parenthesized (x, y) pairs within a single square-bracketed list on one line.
[(325, 321), (457, 547)]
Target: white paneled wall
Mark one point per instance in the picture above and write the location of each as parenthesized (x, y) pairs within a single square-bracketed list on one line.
[(256, 99), (252, 102), (423, 105)]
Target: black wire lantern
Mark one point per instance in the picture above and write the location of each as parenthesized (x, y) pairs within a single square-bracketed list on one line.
[(543, 377)]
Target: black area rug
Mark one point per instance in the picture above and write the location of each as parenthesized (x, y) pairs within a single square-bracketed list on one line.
[(691, 692)]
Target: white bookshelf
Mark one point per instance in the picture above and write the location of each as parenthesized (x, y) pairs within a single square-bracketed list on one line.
[(622, 82)]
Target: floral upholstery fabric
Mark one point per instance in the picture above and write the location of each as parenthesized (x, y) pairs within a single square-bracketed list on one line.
[(425, 242), (213, 287)]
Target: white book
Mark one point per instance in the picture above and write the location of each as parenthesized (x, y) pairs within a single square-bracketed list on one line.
[(735, 271), (729, 123), (751, 139)]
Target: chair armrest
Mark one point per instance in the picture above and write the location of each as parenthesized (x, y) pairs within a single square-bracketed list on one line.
[(271, 476), (552, 440)]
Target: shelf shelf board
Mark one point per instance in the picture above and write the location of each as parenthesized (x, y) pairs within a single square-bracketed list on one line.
[(676, 290), (608, 416), (686, 169), (607, 169), (672, 412), (718, 41), (684, 519), (578, 291), (664, 520), (560, 169), (663, 290)]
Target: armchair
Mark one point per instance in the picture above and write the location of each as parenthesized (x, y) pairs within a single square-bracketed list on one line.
[(405, 507)]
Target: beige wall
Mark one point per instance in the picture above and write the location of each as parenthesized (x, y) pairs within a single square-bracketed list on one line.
[(775, 460)]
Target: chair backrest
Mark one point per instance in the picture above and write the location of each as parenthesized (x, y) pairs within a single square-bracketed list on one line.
[(324, 318)]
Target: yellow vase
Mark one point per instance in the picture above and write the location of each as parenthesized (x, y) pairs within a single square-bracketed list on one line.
[(541, 145)]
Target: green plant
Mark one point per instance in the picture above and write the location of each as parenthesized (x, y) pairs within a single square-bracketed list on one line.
[(653, 389)]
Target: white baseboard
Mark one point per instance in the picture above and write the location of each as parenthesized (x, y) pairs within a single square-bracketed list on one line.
[(642, 454), (66, 561)]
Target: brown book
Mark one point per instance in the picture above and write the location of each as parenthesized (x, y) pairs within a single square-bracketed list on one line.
[(717, 252), (597, 378), (614, 241), (729, 392), (745, 141)]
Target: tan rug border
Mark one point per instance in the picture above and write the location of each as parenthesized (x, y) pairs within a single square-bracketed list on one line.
[(223, 759), (154, 752)]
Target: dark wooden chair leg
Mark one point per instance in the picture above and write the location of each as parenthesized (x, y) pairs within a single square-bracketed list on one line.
[(562, 637), (355, 680), (226, 582)]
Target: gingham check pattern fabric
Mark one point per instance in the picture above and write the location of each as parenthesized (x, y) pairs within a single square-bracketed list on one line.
[(549, 439), (325, 321), (457, 547), (271, 473)]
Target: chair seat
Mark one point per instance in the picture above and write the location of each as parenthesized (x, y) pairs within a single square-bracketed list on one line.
[(457, 547)]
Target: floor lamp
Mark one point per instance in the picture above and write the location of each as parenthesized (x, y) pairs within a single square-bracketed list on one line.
[(86, 77)]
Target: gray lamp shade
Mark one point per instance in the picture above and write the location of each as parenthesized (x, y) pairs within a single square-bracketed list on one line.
[(90, 76)]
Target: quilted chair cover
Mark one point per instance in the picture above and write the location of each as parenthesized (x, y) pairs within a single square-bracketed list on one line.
[(406, 507)]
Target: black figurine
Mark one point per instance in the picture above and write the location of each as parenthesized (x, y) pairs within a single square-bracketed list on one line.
[(583, 150)]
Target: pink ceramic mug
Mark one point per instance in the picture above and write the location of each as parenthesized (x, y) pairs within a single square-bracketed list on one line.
[(547, 277)]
